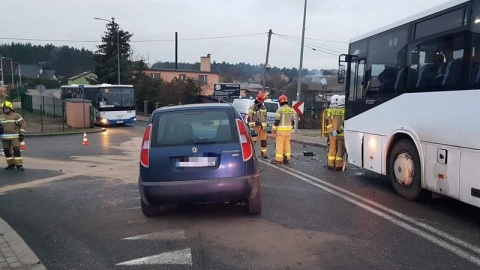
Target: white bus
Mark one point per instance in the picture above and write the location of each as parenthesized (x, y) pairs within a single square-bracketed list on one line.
[(413, 102), (112, 104)]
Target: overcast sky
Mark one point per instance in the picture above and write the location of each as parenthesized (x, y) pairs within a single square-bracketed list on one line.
[(195, 19)]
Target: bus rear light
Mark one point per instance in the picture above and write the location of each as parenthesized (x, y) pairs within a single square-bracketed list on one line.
[(247, 148), (372, 143), (145, 150)]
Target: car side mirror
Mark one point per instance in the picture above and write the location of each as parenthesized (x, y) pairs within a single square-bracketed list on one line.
[(253, 132)]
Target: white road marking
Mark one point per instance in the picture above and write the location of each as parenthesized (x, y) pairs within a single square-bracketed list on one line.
[(164, 235), (183, 257), (392, 216)]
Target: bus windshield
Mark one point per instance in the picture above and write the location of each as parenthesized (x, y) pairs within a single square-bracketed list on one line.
[(116, 97)]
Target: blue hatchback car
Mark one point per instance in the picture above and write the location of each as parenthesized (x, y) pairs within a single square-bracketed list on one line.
[(199, 153)]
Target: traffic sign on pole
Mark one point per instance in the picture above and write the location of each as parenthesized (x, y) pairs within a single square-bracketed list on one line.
[(298, 107)]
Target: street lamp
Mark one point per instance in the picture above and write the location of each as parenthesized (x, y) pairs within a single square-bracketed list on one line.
[(11, 66), (118, 46), (1, 67), (19, 73)]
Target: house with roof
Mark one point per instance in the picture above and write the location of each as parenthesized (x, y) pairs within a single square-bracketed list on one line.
[(48, 74), (29, 71), (205, 76), (251, 89), (87, 77), (35, 72), (324, 85)]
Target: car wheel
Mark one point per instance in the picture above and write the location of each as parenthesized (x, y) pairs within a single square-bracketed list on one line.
[(405, 171), (255, 203), (150, 210)]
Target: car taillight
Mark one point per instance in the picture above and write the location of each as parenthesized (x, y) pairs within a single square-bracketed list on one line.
[(247, 149), (145, 151)]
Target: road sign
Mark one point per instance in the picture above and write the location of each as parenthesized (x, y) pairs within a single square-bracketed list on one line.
[(298, 107), (226, 90), (40, 88)]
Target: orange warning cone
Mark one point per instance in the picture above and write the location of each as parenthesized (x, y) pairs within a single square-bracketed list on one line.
[(85, 140), (23, 145)]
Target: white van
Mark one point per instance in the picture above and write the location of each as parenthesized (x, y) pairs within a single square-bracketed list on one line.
[(243, 105)]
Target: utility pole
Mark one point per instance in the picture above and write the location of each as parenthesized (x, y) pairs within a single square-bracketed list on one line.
[(1, 67), (266, 60), (176, 50), (299, 83), (118, 53)]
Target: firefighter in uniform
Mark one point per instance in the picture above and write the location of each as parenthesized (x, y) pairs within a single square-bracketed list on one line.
[(12, 132), (282, 129), (335, 119), (257, 119), (326, 117)]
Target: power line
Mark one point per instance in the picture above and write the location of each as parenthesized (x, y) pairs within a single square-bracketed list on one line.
[(204, 38), (324, 50), (324, 40), (316, 46), (133, 41)]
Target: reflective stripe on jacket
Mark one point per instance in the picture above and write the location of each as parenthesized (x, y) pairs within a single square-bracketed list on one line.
[(283, 119), (13, 125), (257, 116), (336, 117)]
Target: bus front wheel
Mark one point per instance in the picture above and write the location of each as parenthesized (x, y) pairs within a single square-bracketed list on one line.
[(405, 170)]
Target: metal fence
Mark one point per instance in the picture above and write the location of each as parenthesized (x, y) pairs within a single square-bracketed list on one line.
[(50, 106), (45, 114)]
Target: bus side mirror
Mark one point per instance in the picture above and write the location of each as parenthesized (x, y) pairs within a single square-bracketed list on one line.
[(341, 74)]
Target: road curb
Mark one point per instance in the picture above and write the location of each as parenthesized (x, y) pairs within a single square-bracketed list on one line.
[(24, 254), (65, 133)]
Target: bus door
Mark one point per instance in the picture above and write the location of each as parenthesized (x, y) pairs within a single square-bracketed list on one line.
[(356, 85)]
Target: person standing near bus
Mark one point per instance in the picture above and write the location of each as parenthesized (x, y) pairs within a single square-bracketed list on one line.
[(326, 117), (336, 117), (257, 119), (282, 129), (11, 134)]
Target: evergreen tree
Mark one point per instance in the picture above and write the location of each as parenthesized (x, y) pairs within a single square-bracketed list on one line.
[(106, 57)]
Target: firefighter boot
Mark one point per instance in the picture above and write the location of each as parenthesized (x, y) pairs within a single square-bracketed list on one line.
[(20, 168), (10, 167)]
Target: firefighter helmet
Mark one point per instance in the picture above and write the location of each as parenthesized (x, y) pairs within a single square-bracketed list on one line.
[(261, 97), (282, 99), (7, 105), (341, 101), (334, 101)]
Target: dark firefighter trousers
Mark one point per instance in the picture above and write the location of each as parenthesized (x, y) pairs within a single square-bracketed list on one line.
[(15, 158)]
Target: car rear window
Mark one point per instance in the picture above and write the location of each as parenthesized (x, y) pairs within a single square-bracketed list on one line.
[(271, 107), (193, 127)]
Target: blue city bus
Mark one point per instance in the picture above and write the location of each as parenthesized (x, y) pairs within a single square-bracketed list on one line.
[(112, 104)]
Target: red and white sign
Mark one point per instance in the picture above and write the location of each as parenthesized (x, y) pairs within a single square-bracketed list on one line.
[(298, 107)]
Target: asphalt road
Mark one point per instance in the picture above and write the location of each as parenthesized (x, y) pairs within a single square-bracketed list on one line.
[(77, 207)]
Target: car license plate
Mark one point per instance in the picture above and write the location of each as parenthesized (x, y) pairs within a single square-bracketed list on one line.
[(196, 162), (119, 122)]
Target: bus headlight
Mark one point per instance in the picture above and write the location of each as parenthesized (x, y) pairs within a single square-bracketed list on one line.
[(104, 121)]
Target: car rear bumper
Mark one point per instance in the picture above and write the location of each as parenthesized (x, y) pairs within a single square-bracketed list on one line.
[(200, 191)]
